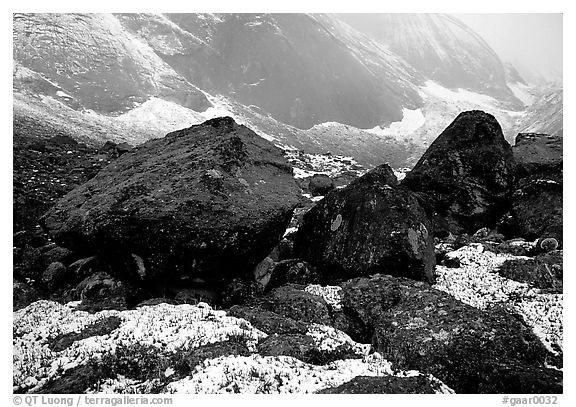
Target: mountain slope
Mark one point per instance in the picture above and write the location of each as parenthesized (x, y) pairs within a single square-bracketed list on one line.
[(89, 61), (302, 69), (313, 82), (440, 47), (545, 115)]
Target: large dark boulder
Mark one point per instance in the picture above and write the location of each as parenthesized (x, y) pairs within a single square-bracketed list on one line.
[(209, 202), (537, 198), (418, 327), (371, 226), (465, 177)]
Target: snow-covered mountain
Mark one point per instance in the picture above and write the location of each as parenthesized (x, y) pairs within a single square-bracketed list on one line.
[(319, 83), (441, 47)]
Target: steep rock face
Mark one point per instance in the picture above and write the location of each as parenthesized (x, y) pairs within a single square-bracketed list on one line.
[(466, 175), (209, 202), (89, 61), (441, 47), (537, 199), (370, 226)]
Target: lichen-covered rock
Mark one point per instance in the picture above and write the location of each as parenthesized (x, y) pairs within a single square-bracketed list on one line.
[(537, 198), (208, 202), (433, 332), (369, 227), (466, 175)]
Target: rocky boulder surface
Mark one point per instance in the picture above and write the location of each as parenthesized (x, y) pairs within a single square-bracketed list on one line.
[(418, 327), (537, 198), (369, 227), (465, 177), (206, 202)]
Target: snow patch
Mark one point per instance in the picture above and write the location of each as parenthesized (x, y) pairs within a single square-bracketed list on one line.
[(411, 121), (477, 283), (431, 88)]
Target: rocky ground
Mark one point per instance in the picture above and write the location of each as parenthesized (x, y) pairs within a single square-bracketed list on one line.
[(115, 295)]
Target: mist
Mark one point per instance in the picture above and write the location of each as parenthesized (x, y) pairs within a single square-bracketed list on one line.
[(531, 42)]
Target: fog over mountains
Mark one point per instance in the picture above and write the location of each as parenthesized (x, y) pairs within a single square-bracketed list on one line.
[(365, 86)]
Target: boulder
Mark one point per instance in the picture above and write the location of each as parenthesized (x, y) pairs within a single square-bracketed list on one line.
[(291, 301), (544, 271), (371, 226), (53, 275), (465, 347), (57, 254), (537, 198), (209, 201), (385, 385), (304, 348), (320, 185), (364, 300), (298, 346), (465, 178), (268, 321)]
